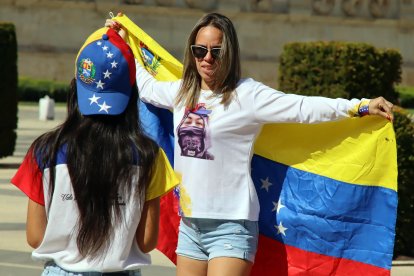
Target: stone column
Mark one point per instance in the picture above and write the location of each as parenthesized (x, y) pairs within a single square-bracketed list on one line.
[(230, 5), (167, 3), (406, 9), (300, 7), (206, 5), (115, 2), (275, 6)]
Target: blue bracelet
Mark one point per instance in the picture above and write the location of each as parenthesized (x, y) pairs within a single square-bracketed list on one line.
[(363, 110)]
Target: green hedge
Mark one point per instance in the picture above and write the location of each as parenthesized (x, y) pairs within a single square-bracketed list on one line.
[(8, 90), (406, 98), (404, 131), (350, 70), (339, 69), (31, 90)]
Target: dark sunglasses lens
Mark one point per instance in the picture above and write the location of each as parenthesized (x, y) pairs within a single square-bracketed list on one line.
[(215, 52), (199, 52)]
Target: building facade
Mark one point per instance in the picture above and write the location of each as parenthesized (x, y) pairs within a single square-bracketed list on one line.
[(50, 32)]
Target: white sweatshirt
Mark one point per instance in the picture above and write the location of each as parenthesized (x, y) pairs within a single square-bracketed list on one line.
[(214, 144), (59, 241)]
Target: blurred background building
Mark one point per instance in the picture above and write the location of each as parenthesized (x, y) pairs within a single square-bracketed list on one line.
[(50, 32)]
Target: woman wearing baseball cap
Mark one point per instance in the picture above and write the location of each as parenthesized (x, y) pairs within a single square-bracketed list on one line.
[(94, 182)]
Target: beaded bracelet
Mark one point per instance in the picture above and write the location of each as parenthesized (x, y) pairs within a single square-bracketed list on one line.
[(363, 109)]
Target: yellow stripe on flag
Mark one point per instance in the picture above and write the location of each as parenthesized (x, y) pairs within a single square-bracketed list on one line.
[(355, 150), (163, 66)]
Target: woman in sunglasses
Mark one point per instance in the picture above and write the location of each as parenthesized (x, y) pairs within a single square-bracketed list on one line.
[(218, 232)]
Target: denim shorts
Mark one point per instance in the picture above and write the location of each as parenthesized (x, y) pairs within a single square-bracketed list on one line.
[(52, 269), (205, 239)]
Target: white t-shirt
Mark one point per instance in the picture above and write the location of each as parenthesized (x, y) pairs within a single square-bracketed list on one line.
[(59, 241), (214, 143)]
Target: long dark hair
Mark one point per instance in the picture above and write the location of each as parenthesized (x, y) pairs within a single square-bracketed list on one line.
[(228, 73), (100, 154)]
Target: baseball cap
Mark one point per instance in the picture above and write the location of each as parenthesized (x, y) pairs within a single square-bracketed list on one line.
[(105, 74)]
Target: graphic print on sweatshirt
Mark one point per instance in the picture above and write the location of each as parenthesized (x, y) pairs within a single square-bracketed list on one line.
[(193, 133)]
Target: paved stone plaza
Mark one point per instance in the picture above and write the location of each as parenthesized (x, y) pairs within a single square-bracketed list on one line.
[(15, 257)]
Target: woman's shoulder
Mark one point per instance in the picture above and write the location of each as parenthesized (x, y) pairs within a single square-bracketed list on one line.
[(248, 85), (254, 85), (246, 81), (42, 155)]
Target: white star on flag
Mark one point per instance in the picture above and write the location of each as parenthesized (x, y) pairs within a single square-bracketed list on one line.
[(99, 84), (94, 99), (281, 229), (109, 55), (99, 43), (114, 64), (105, 48), (104, 107), (107, 74), (277, 206), (266, 184)]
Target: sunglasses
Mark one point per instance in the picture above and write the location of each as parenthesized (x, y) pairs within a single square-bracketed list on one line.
[(201, 51)]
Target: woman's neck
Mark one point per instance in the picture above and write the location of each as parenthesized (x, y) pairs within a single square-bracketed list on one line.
[(207, 85)]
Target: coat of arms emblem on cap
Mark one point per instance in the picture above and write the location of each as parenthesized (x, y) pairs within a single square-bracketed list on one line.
[(86, 70)]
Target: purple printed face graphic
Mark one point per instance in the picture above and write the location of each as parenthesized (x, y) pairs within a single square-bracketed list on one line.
[(192, 136), (191, 141)]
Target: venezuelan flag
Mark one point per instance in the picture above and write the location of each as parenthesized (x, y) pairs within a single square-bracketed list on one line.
[(328, 198), (328, 192)]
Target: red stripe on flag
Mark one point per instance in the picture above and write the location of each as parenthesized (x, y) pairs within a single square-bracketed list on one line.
[(169, 222), (275, 258)]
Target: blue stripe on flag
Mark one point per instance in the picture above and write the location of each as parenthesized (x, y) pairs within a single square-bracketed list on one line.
[(158, 125), (323, 215)]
